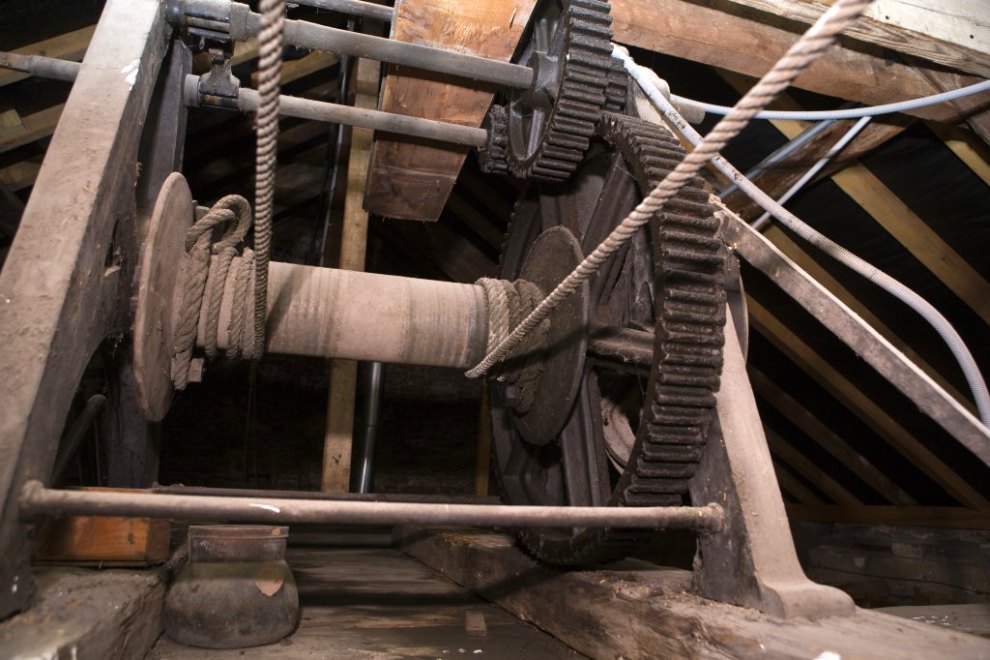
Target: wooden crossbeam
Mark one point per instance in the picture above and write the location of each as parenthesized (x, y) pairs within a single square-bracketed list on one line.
[(863, 405), (705, 34), (68, 46), (919, 516), (823, 481), (825, 438), (955, 33)]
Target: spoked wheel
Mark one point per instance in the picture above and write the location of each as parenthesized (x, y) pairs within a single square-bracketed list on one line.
[(623, 417)]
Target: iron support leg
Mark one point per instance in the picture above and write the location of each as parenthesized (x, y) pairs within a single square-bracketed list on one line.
[(752, 561)]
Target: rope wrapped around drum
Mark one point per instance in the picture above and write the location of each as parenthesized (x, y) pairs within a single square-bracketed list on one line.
[(206, 278)]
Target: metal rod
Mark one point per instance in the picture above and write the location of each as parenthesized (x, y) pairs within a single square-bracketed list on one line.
[(289, 106), (390, 122), (319, 495), (44, 67), (352, 7), (36, 500), (368, 432), (244, 24)]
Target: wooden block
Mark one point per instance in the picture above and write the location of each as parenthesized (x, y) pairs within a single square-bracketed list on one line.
[(110, 540), (411, 178)]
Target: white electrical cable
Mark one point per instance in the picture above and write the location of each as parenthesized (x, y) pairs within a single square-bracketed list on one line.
[(849, 113), (941, 325), (816, 168)]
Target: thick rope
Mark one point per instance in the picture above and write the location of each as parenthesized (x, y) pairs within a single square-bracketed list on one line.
[(270, 39), (811, 44), (233, 212)]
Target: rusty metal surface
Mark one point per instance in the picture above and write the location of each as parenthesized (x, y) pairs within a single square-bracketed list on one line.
[(62, 285)]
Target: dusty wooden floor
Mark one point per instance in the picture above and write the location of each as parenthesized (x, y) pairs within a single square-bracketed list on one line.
[(379, 603)]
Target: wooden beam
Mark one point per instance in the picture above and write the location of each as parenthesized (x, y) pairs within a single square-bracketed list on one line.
[(793, 486), (412, 179), (954, 33), (825, 438), (778, 179), (823, 481), (918, 516), (701, 33), (35, 126), (863, 405), (647, 611), (887, 209), (68, 46), (110, 540), (788, 246), (916, 236), (971, 151), (21, 174), (353, 247), (475, 219)]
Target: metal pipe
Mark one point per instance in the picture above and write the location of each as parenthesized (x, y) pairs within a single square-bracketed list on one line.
[(289, 106), (328, 312), (372, 379), (244, 24), (44, 67), (319, 495), (352, 7), (36, 500), (390, 122)]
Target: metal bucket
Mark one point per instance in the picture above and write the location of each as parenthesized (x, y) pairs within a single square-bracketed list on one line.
[(235, 590)]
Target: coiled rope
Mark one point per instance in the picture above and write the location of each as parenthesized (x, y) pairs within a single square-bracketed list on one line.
[(270, 40), (233, 214), (811, 44)]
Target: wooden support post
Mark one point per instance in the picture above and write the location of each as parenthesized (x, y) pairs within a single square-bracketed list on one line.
[(354, 239)]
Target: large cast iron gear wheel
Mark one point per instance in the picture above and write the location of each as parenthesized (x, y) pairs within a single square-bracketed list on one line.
[(568, 44), (637, 429)]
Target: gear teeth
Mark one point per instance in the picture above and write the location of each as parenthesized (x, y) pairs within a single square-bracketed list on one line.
[(581, 96)]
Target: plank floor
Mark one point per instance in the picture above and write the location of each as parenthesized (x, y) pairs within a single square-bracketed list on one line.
[(379, 603)]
